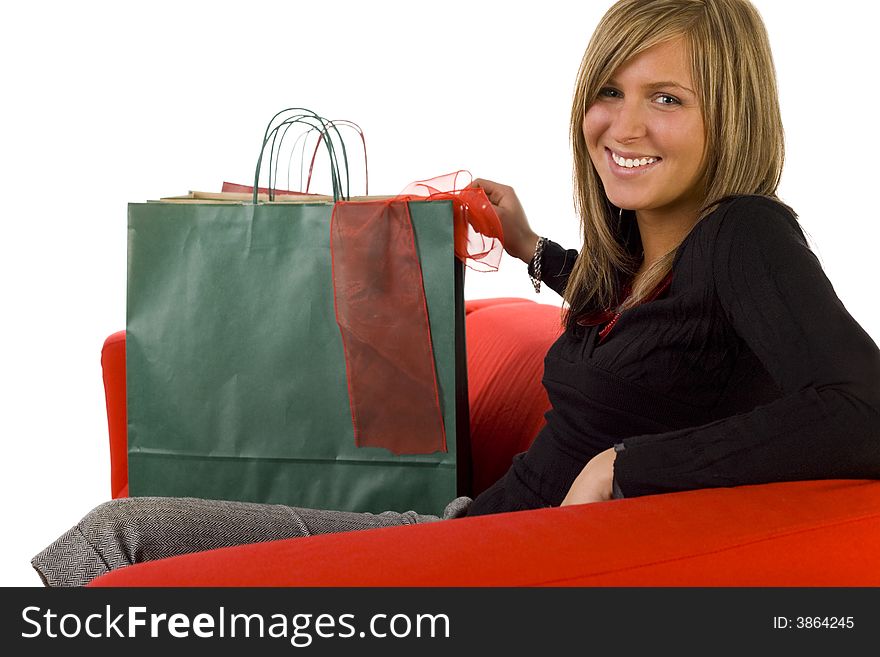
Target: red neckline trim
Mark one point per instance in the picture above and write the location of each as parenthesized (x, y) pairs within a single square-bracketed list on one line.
[(610, 317)]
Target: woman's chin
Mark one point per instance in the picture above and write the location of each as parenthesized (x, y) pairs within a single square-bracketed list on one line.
[(628, 201)]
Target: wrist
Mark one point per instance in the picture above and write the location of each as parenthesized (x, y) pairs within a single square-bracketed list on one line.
[(523, 248), (527, 248), (534, 264)]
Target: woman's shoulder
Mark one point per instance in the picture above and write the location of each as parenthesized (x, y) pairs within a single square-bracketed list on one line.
[(759, 233), (754, 214), (750, 222)]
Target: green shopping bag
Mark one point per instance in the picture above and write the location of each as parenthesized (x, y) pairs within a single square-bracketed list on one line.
[(237, 378)]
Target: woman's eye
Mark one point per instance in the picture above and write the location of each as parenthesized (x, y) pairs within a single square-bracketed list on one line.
[(673, 99), (607, 92)]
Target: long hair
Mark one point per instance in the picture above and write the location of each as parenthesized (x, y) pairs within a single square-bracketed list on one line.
[(732, 68)]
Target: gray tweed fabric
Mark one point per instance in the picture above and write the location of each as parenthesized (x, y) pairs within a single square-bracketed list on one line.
[(132, 530)]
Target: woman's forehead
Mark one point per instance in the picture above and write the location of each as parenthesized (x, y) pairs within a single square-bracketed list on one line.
[(663, 65)]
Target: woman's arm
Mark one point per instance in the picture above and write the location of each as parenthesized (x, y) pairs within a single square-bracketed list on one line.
[(776, 297)]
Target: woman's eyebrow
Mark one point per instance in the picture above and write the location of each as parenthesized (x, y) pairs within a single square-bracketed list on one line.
[(658, 85)]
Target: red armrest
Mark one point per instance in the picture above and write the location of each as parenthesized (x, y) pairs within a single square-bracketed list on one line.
[(113, 366), (815, 533)]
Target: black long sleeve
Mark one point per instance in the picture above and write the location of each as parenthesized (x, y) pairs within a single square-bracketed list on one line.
[(778, 301)]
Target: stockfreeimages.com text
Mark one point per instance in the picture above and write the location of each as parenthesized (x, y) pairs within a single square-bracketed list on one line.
[(300, 629)]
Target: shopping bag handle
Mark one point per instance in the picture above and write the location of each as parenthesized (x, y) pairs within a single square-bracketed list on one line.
[(337, 122), (329, 135)]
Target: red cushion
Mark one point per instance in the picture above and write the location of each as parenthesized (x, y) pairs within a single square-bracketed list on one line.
[(506, 344), (472, 305), (819, 533)]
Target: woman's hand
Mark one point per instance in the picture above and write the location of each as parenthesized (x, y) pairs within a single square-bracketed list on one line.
[(593, 484), (519, 238)]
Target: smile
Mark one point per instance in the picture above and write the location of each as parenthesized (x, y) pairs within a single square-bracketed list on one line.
[(630, 166), (630, 163)]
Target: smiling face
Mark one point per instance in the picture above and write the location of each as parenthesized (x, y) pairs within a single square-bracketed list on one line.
[(645, 135)]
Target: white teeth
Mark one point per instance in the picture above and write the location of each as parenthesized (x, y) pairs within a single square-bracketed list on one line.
[(629, 163)]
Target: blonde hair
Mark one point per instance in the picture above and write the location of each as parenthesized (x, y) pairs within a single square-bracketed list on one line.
[(732, 68)]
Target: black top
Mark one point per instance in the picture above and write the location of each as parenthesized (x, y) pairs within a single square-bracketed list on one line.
[(747, 369)]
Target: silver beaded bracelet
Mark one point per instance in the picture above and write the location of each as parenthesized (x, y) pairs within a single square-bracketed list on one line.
[(536, 265)]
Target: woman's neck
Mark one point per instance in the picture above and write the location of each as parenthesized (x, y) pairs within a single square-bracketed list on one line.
[(661, 232)]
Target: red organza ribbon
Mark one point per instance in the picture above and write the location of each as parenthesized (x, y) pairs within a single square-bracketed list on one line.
[(382, 313), (383, 318), (478, 235)]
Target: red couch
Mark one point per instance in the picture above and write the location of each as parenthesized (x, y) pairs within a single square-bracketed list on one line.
[(813, 533)]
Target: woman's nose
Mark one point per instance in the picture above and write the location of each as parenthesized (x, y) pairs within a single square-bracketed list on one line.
[(628, 122)]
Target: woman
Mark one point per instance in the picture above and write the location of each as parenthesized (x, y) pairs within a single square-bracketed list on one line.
[(729, 359), (703, 344)]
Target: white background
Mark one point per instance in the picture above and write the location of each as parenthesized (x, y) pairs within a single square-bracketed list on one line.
[(109, 103)]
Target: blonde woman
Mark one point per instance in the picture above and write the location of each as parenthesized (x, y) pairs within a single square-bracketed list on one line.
[(703, 346)]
